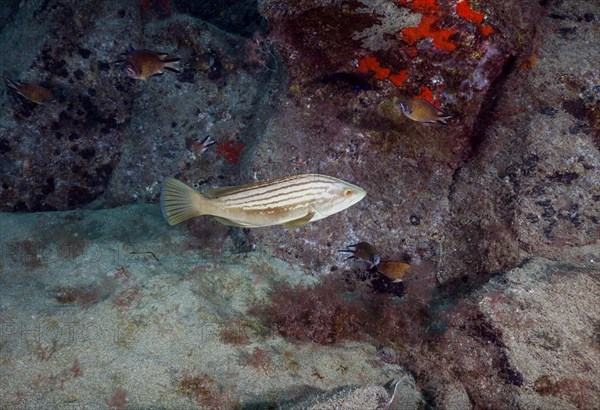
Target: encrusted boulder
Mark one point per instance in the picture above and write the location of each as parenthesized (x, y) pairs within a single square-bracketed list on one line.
[(533, 187), (110, 139), (348, 64)]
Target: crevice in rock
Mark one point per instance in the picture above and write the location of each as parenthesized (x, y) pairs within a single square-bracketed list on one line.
[(486, 113), (485, 118), (459, 288)]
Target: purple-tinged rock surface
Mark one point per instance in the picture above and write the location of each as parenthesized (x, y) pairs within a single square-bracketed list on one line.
[(533, 186), (407, 168)]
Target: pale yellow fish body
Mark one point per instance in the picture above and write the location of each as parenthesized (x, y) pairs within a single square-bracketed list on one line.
[(141, 64), (423, 111), (291, 201), (32, 92)]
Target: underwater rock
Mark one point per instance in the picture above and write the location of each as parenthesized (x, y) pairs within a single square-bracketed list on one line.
[(61, 155), (110, 139), (533, 189), (8, 9), (239, 17), (216, 95), (361, 135), (400, 46), (366, 397), (86, 294), (514, 175), (539, 308)]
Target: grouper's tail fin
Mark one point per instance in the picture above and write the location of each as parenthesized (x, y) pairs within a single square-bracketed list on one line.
[(180, 202)]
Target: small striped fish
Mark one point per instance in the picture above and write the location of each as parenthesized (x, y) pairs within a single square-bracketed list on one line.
[(290, 201)]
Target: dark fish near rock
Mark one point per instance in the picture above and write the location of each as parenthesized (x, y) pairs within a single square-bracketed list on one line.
[(141, 64), (34, 93), (363, 251), (357, 82), (198, 146)]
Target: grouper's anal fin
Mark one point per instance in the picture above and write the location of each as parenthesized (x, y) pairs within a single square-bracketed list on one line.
[(229, 222), (296, 223)]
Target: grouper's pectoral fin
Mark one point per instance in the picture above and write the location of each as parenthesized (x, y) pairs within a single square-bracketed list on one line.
[(229, 222), (296, 223)]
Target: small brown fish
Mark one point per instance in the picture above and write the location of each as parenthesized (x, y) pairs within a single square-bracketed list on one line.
[(393, 270), (363, 251), (141, 64), (31, 92), (423, 111), (198, 146)]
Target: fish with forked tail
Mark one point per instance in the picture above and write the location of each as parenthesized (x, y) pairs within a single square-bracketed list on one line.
[(291, 201), (422, 111), (34, 93), (141, 64), (394, 271), (198, 146), (363, 251)]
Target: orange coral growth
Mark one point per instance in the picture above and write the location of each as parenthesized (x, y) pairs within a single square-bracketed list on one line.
[(365, 63), (426, 94), (464, 10), (231, 150), (370, 63), (428, 28), (486, 30), (399, 79), (422, 6), (411, 51)]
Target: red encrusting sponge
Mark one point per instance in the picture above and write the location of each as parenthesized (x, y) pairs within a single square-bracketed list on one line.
[(465, 11), (428, 28), (370, 63), (231, 150), (426, 94), (399, 79)]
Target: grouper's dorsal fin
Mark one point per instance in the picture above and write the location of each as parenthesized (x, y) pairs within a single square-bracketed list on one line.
[(219, 192), (296, 223), (222, 191)]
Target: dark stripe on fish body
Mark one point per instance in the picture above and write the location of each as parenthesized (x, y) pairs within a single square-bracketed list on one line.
[(283, 199), (255, 191), (270, 194), (258, 185), (302, 197)]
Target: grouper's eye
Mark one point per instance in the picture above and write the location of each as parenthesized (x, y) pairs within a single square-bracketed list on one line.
[(348, 193)]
